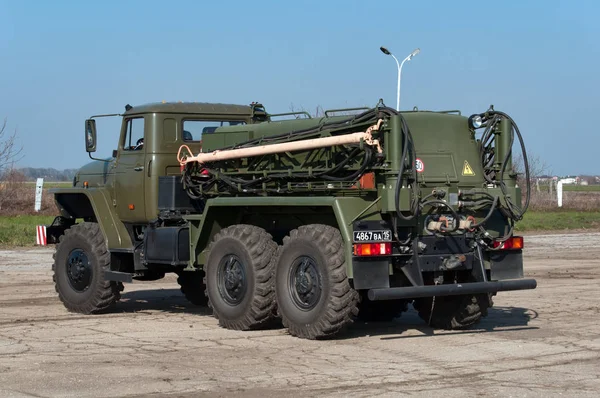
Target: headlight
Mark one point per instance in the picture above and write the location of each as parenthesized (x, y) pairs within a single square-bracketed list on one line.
[(475, 121)]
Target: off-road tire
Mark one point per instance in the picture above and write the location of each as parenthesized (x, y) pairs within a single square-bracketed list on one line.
[(254, 253), (453, 312), (335, 305), (192, 287), (379, 311), (99, 295)]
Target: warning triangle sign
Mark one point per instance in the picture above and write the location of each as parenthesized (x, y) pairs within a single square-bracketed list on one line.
[(467, 170)]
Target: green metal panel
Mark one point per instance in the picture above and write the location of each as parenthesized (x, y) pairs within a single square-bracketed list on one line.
[(345, 209), (444, 142), (200, 108), (130, 172), (113, 229), (232, 135)]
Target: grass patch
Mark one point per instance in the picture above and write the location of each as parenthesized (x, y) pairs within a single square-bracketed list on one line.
[(50, 184), (581, 188), (20, 230), (558, 220)]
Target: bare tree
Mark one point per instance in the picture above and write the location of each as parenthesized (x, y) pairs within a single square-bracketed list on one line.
[(319, 111), (9, 151), (12, 191), (537, 166), (540, 189)]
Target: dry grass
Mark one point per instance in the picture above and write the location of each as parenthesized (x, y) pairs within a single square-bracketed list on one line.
[(572, 200), (18, 198)]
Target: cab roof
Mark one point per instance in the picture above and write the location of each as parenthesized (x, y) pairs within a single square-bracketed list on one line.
[(191, 108)]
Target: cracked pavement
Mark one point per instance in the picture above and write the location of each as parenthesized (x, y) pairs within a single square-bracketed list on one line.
[(535, 343)]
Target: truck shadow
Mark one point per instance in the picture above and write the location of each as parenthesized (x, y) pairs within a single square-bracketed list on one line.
[(167, 300), (499, 319)]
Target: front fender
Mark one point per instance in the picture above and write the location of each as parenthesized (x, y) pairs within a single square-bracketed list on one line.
[(95, 204)]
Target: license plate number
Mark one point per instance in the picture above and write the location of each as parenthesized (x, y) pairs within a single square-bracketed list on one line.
[(373, 236)]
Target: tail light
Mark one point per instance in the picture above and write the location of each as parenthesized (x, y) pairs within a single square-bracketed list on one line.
[(373, 249), (513, 243)]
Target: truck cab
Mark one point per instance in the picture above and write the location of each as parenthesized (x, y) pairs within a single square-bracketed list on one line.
[(150, 137)]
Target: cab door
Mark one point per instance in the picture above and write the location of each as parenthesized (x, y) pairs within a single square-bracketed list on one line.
[(130, 173)]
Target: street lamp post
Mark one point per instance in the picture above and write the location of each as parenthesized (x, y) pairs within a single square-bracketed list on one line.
[(399, 65)]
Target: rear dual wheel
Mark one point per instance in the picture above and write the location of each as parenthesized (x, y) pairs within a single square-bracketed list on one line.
[(192, 286), (314, 297), (240, 282), (247, 278), (453, 312), (380, 311)]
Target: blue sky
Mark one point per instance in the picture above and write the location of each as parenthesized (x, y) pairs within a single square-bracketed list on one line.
[(63, 61)]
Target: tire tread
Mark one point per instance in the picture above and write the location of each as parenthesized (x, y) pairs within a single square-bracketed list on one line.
[(342, 305), (106, 293)]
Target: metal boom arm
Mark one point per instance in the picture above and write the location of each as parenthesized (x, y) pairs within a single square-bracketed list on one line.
[(300, 145)]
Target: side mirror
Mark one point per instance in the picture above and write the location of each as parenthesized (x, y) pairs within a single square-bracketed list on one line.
[(90, 135)]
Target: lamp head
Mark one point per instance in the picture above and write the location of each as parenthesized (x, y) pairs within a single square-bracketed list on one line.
[(385, 51), (415, 52)]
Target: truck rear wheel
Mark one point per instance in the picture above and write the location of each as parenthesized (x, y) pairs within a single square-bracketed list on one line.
[(453, 312), (240, 277), (315, 299), (80, 259), (192, 287)]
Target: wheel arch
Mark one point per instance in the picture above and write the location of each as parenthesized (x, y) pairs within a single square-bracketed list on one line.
[(287, 212), (94, 204)]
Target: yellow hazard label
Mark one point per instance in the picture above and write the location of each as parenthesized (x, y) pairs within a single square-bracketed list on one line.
[(468, 170)]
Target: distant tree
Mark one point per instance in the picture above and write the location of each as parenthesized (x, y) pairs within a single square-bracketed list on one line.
[(537, 166), (48, 174), (12, 189), (9, 151)]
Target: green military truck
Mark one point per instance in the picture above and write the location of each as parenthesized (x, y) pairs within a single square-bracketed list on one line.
[(315, 221)]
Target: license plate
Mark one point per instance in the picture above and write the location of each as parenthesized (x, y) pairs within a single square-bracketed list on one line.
[(373, 236)]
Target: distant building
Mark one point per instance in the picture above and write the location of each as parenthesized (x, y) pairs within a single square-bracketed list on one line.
[(588, 180)]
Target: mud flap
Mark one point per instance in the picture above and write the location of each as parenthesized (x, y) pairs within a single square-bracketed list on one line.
[(506, 265), (370, 274)]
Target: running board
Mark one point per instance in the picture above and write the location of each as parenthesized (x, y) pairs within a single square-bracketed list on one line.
[(454, 289)]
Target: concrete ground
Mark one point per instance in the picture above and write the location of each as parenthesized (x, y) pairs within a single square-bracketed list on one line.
[(535, 343)]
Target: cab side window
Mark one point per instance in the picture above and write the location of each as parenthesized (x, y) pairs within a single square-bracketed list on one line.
[(194, 129), (134, 135)]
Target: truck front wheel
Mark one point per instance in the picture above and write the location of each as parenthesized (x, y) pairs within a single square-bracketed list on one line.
[(80, 260), (240, 277), (315, 299)]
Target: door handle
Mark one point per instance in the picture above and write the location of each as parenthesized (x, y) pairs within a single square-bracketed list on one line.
[(139, 168)]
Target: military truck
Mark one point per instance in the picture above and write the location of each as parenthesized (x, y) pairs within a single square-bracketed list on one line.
[(314, 221)]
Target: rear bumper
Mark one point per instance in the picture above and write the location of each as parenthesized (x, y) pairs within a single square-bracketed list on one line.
[(395, 293)]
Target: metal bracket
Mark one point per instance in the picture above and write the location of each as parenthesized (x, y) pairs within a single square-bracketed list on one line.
[(411, 269), (118, 276)]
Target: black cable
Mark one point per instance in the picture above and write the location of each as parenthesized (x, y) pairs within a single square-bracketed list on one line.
[(516, 211), (329, 175), (489, 214), (454, 213), (406, 155)]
